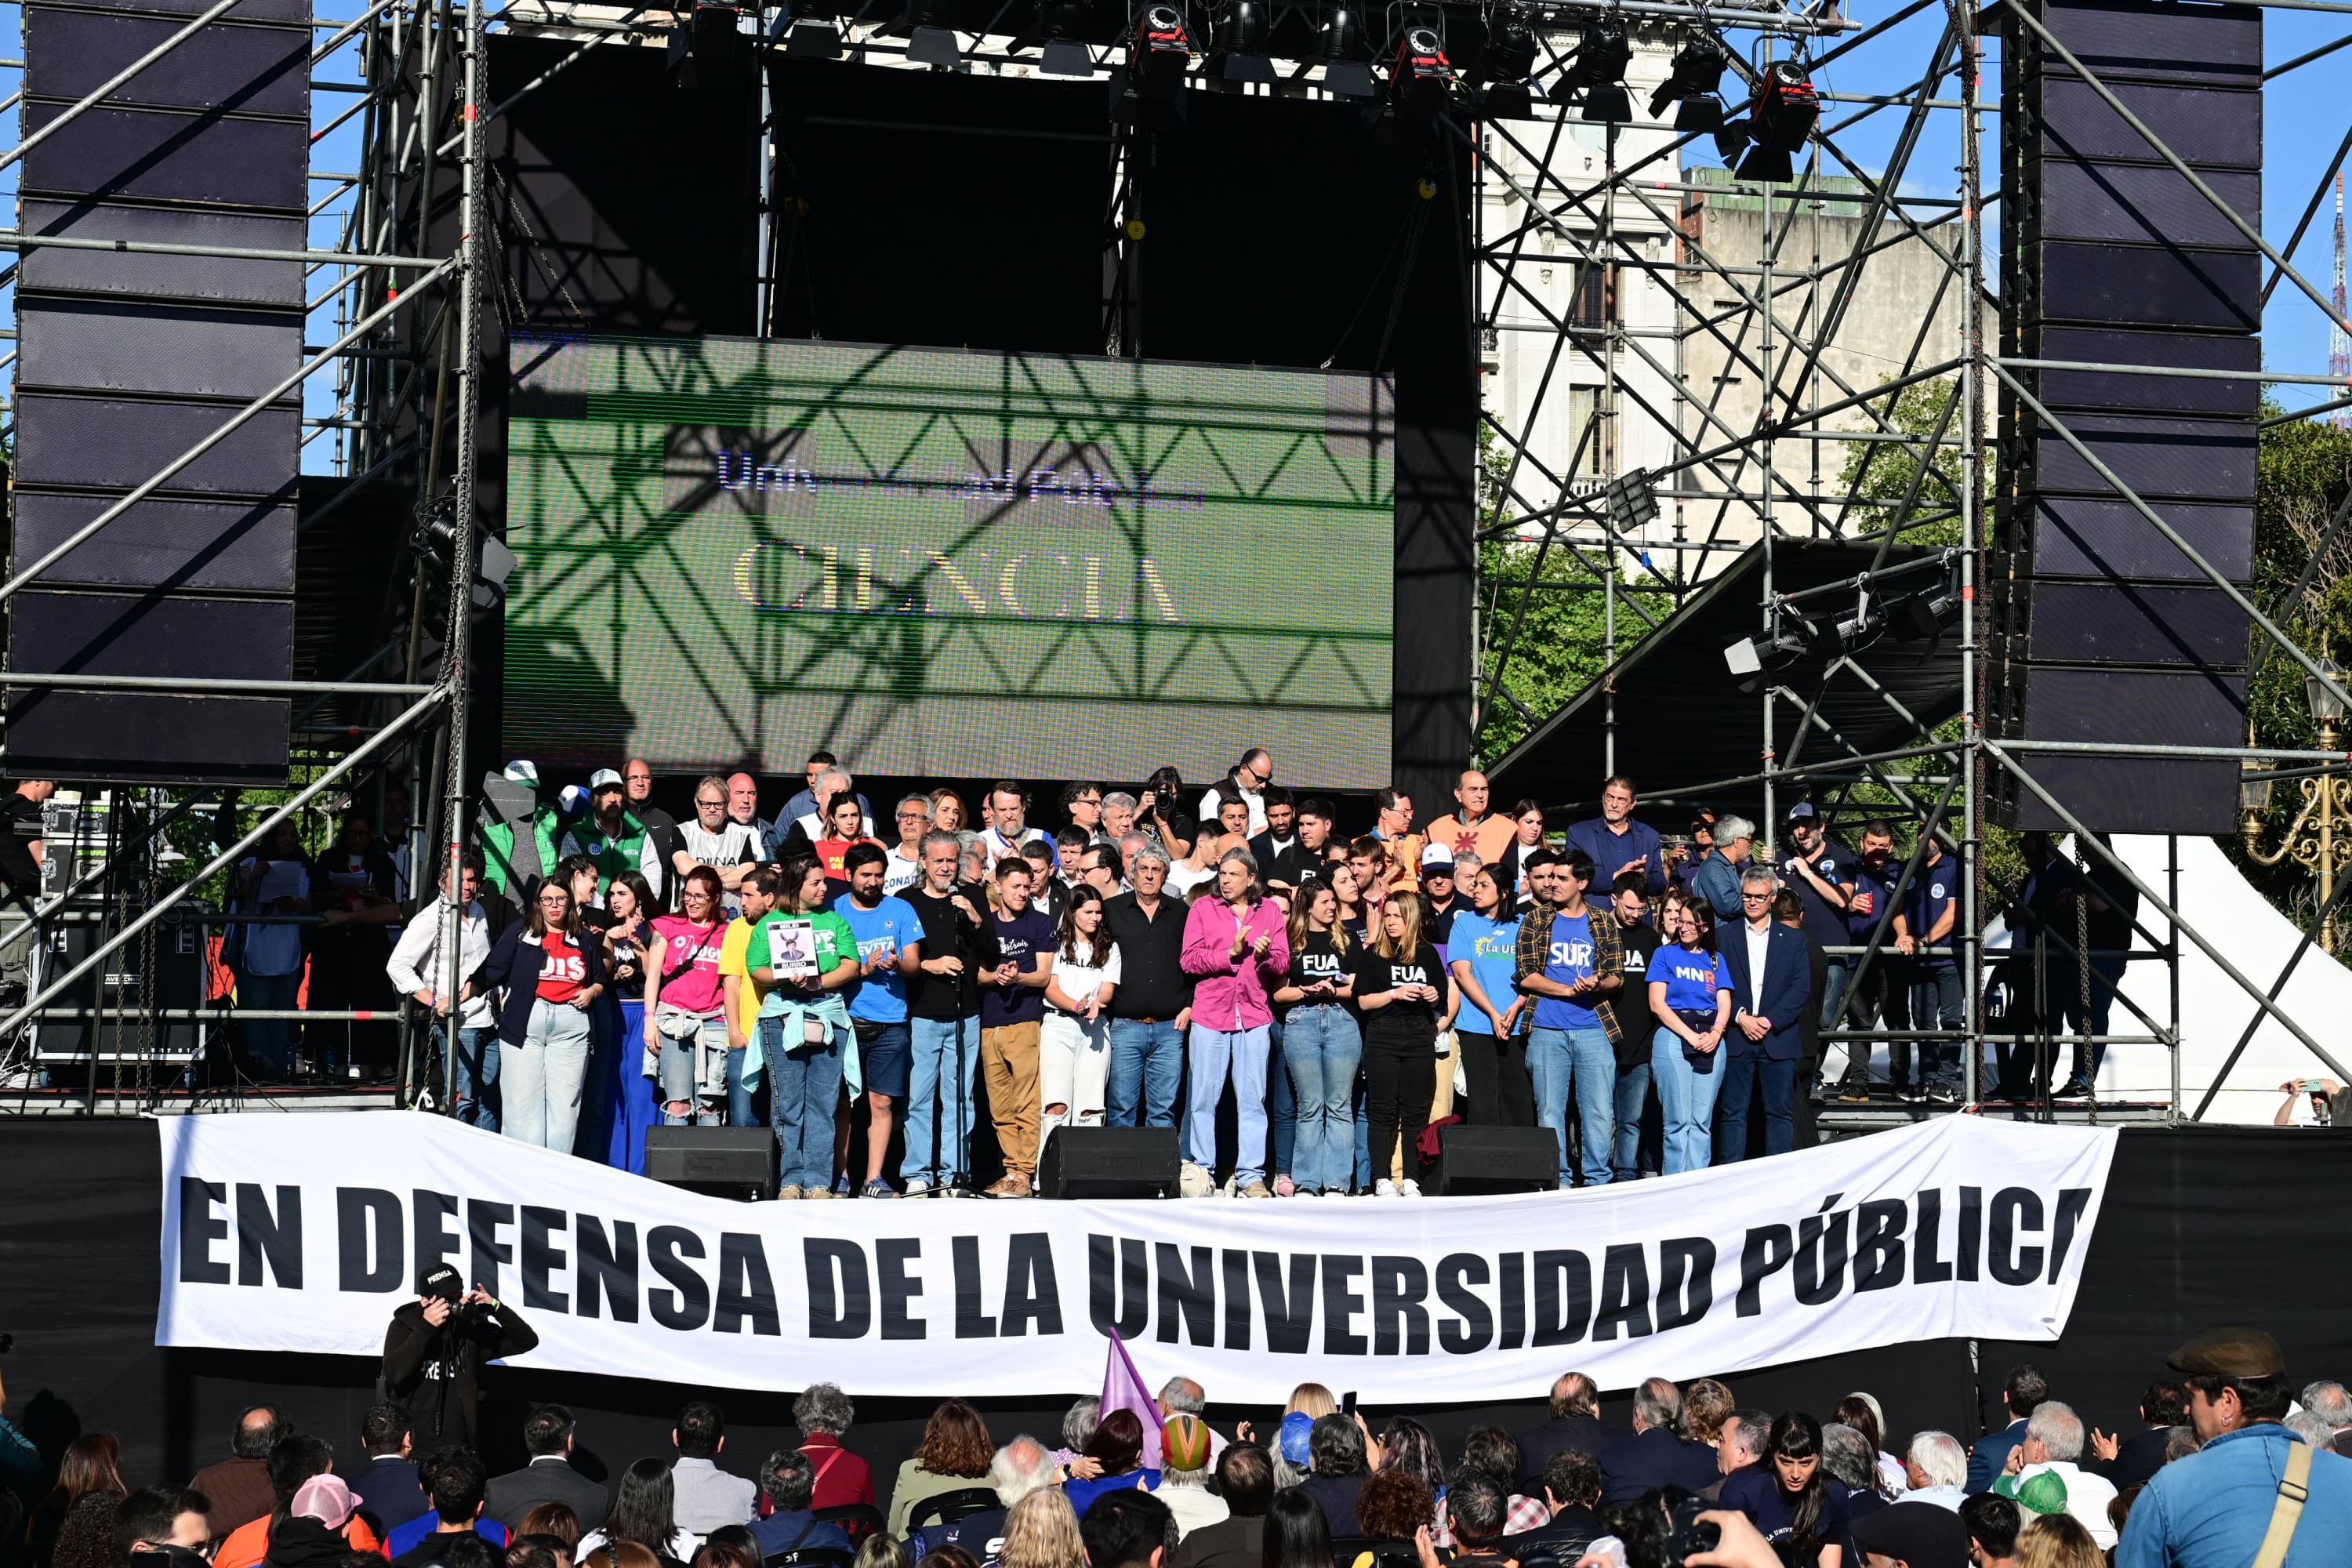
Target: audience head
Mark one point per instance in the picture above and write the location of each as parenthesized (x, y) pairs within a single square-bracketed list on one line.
[(879, 1550), (1571, 1478), (1184, 1451), (1793, 1452), (2057, 1540), (1406, 1444), (823, 1408), (1336, 1446), (2166, 1403), (1312, 1400), (1993, 1522), (557, 1519), (1573, 1394), (1020, 1468), (524, 1551), (1742, 1441), (1657, 1402), (739, 1537), (259, 1428), (2025, 1388), (453, 1480), (1042, 1532), (1860, 1411), (1078, 1422), (948, 1557), (611, 1554), (2181, 1442), (788, 1480), (1706, 1404), (384, 1433), (91, 1463), (2235, 1377), (1936, 1460), (955, 1442), (1849, 1456), (1246, 1478), (1492, 1453), (1476, 1508), (1128, 1528), (154, 1518), (548, 1431), (1393, 1505), (2328, 1401), (1118, 1443), (2054, 1432), (295, 1459), (644, 1506), (1296, 1534)]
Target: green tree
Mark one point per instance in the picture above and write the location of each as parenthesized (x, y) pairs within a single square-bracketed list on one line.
[(1877, 474)]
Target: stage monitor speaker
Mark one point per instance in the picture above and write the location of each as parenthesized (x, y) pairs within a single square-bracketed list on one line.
[(725, 1162), (178, 982), (1490, 1160), (2125, 707), (1109, 1163)]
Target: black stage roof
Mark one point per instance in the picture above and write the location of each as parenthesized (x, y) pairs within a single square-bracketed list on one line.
[(1683, 724)]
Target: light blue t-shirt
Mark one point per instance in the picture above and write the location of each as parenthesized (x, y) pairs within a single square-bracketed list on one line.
[(1491, 948), (881, 931), (1568, 961)]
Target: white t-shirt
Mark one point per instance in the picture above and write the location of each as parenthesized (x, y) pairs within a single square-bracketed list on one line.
[(733, 845), (899, 873), (275, 948), (1079, 978), (1183, 878), (1256, 804), (998, 846)]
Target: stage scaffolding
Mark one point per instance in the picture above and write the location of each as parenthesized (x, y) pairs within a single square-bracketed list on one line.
[(398, 256)]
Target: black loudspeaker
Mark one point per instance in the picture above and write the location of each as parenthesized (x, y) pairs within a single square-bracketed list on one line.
[(726, 1162), (178, 981), (2102, 629), (129, 359), (1109, 1163), (1490, 1160)]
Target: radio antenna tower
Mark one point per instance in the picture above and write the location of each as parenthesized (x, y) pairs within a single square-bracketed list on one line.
[(2339, 348)]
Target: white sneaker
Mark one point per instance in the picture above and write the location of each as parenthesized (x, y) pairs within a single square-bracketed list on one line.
[(1384, 1188), (1410, 1189), (918, 1188)]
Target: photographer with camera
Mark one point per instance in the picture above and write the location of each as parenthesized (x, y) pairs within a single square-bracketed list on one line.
[(434, 1352)]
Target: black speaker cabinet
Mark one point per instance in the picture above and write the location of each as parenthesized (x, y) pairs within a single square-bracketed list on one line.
[(1490, 1160), (1109, 1163), (725, 1162)]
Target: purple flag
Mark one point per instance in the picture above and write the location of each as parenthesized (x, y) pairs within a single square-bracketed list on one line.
[(1123, 1389)]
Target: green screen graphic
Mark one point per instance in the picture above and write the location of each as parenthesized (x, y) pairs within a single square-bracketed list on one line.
[(731, 552)]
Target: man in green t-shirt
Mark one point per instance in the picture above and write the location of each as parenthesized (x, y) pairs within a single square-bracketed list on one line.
[(807, 956)]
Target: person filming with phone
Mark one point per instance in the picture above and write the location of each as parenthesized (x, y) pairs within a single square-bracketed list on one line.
[(434, 1352)]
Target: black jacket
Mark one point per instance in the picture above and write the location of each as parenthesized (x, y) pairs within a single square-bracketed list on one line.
[(2138, 1457), (514, 964), (1654, 1458), (1557, 1436), (301, 1542), (1571, 1530), (549, 1478), (435, 1373)]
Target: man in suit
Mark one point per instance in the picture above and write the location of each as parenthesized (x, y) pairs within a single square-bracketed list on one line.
[(707, 1497), (549, 1478), (1771, 989), (1658, 1456), (387, 1487), (1575, 1423), (2132, 1461), (2025, 1389), (1789, 911)]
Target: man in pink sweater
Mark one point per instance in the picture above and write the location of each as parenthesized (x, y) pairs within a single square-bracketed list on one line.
[(1237, 951)]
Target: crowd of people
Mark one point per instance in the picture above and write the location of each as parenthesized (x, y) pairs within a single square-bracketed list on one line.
[(873, 990), (2221, 1462)]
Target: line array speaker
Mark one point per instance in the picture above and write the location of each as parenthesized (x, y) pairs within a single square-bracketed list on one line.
[(127, 360), (2103, 629)]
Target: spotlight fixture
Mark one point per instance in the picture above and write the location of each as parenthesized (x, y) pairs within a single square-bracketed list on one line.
[(1161, 52), (1754, 658), (1339, 45), (1418, 73), (933, 41), (1066, 51), (1237, 51), (1784, 116), (1597, 70), (1692, 83), (706, 39), (1505, 62), (807, 30)]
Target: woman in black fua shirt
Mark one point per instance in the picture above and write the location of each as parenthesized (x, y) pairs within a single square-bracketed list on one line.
[(1322, 1043), (1405, 996)]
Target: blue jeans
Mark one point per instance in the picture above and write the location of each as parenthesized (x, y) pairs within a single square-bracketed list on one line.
[(271, 1040), (2107, 974), (1322, 1047), (1741, 1074), (1685, 1100), (1363, 1151), (1578, 1062), (543, 1080), (804, 1087), (1147, 1061), (1632, 1097), (1281, 1104), (478, 1074), (1214, 1052), (936, 1043), (742, 1111), (1938, 1003)]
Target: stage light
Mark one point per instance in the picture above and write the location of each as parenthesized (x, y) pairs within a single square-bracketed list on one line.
[(708, 38), (806, 30), (1692, 82), (1066, 51), (1596, 72), (1753, 659), (1418, 73), (1506, 63), (1339, 45), (1160, 51), (933, 41), (1238, 40), (1777, 127)]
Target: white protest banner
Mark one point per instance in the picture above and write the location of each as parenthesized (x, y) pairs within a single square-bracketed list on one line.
[(302, 1233)]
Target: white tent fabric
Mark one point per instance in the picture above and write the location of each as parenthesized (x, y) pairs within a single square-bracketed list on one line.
[(2228, 912)]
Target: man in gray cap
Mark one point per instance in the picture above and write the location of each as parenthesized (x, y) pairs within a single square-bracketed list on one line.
[(2252, 1495)]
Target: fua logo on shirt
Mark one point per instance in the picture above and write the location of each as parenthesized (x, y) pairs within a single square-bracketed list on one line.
[(1935, 889)]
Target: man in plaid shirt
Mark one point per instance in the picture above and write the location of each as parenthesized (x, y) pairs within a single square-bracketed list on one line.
[(1570, 960)]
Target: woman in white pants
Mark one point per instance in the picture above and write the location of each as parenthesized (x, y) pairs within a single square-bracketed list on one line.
[(550, 972), (1074, 1047)]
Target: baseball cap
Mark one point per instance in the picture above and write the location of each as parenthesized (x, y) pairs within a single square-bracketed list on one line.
[(1803, 811), (443, 1280), (327, 1499), (603, 778), (1292, 1440), (523, 771), (1918, 1534), (571, 800), (1437, 855), (2229, 1352), (2044, 1493)]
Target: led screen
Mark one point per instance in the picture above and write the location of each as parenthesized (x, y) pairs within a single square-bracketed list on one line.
[(941, 563)]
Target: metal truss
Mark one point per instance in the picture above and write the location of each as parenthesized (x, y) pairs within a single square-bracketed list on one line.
[(1572, 513)]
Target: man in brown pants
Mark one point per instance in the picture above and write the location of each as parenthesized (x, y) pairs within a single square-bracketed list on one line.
[(1016, 954)]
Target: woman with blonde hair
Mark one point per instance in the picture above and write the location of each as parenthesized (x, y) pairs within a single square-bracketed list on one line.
[(948, 812), (1706, 1404), (1406, 996), (1041, 1532), (1321, 1042), (2057, 1540)]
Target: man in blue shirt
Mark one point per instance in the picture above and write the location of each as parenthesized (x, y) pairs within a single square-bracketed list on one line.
[(1617, 843), (889, 941), (1716, 880), (1884, 987), (1929, 919), (2214, 1508), (1570, 960), (789, 1479)]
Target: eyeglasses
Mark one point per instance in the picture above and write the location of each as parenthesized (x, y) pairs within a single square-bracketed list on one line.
[(1755, 898), (554, 903)]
